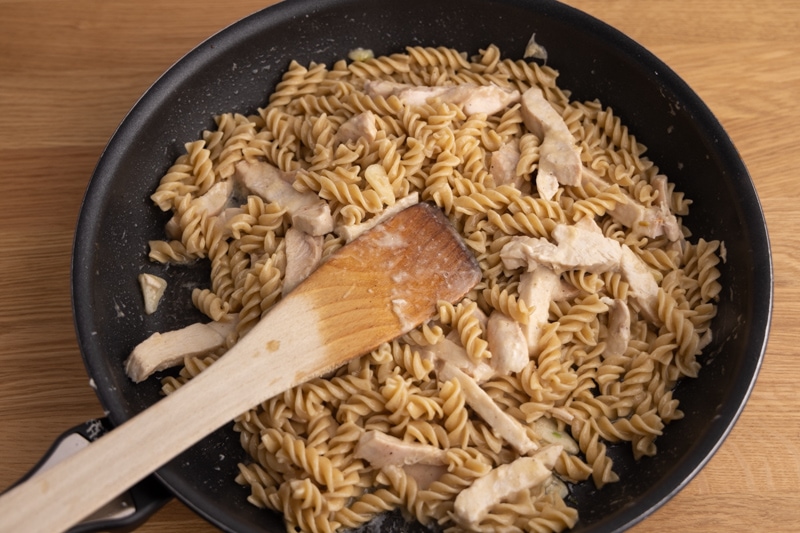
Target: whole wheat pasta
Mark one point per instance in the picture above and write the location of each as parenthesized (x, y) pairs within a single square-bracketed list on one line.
[(304, 444)]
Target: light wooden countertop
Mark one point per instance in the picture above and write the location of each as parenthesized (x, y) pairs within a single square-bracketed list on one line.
[(69, 71)]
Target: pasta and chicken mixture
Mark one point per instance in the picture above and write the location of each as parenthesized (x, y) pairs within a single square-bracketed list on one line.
[(593, 301)]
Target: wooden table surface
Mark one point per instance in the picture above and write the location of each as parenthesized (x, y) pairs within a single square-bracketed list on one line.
[(69, 71)]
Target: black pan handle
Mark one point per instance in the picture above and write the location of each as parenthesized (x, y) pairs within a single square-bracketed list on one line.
[(126, 512)]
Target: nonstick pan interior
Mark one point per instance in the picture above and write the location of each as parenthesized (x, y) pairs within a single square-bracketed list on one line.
[(235, 70)]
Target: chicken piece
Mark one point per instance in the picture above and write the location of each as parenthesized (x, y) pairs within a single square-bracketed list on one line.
[(482, 99), (667, 221), (360, 54), (537, 290), (525, 252), (308, 211), (653, 221), (303, 256), (350, 232), (153, 288), (554, 485), (313, 219), (506, 426), (539, 116), (628, 214), (472, 504), (503, 165), (361, 126), (580, 245), (474, 99), (660, 185), (547, 431), (411, 95), (583, 246), (643, 287), (546, 185), (165, 350), (424, 475), (382, 450), (507, 343), (534, 50), (447, 350), (619, 327), (216, 198), (559, 156), (565, 291)]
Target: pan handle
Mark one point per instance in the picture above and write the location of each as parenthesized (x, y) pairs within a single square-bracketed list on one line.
[(126, 512)]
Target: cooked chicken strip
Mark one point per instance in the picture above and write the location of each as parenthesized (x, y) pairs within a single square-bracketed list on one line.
[(580, 245), (666, 219), (472, 504), (452, 352), (303, 256), (653, 221), (381, 450), (583, 246), (643, 287), (153, 288), (547, 431), (536, 289), (546, 185), (507, 343), (474, 99), (424, 475), (165, 350), (360, 126), (216, 198), (503, 165), (309, 212), (559, 156), (314, 219), (508, 427), (619, 327)]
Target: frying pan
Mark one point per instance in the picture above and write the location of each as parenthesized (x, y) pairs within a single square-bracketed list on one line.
[(236, 69)]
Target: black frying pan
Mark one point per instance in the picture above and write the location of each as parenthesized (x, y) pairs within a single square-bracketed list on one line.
[(236, 69)]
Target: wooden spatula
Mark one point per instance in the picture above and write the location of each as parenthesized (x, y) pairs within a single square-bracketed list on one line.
[(380, 286)]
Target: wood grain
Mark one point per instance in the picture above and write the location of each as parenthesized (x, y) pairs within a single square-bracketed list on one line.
[(69, 71)]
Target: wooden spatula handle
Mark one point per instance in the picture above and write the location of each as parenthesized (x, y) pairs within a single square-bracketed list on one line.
[(380, 286)]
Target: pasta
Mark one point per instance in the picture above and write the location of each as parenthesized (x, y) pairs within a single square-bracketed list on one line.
[(590, 388)]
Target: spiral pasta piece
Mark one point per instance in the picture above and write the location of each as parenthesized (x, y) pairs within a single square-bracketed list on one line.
[(465, 321)]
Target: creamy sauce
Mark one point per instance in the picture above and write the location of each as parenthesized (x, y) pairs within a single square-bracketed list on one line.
[(399, 307)]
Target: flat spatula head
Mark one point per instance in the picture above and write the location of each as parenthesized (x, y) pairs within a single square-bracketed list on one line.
[(389, 280)]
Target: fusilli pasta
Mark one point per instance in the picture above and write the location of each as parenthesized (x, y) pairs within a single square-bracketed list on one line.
[(304, 443)]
